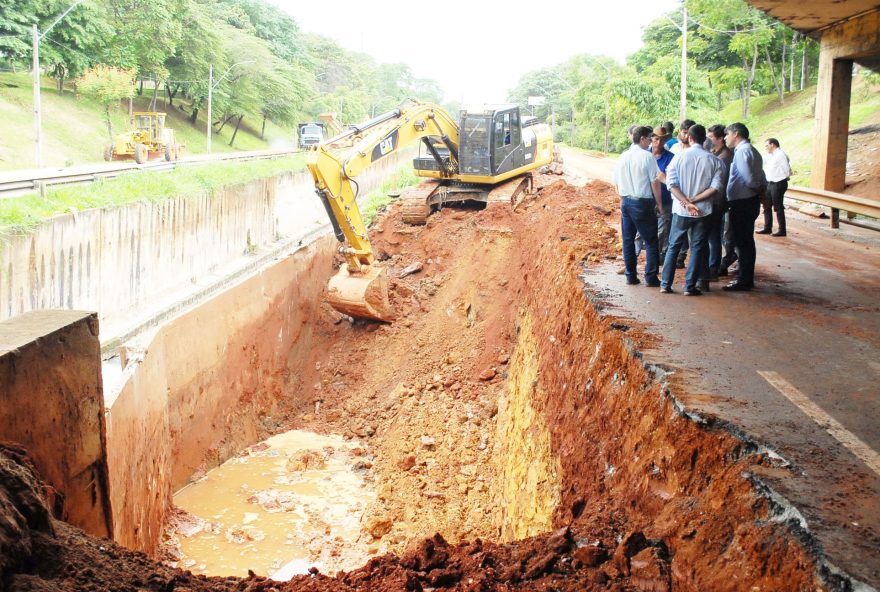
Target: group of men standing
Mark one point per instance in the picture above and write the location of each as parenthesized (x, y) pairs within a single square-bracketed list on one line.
[(700, 191)]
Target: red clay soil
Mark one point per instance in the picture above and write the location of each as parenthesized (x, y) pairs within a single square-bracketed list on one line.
[(649, 497)]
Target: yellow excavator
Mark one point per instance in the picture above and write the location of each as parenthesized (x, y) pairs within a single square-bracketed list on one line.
[(485, 156)]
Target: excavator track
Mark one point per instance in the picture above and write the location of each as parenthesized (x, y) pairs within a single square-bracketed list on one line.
[(415, 204), (512, 191)]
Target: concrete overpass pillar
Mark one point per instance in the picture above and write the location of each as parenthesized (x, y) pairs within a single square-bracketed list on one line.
[(855, 39)]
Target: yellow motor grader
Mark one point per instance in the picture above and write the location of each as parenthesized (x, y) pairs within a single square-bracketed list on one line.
[(146, 139)]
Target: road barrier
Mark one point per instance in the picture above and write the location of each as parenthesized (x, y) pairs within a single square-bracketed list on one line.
[(14, 183), (836, 201)]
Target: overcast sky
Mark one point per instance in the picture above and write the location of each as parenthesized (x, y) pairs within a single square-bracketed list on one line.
[(478, 49)]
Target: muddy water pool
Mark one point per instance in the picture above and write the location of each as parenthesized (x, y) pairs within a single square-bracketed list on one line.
[(289, 503)]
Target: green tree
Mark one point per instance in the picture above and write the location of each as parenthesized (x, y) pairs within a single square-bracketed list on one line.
[(749, 32), (107, 85), (146, 34), (16, 19), (77, 41), (200, 46)]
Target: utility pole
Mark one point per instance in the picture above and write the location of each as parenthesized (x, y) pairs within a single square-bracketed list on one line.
[(210, 100), (684, 64), (38, 124), (211, 85)]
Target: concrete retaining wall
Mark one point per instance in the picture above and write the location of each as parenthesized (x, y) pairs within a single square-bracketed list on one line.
[(207, 384), (114, 260), (51, 404), (197, 389)]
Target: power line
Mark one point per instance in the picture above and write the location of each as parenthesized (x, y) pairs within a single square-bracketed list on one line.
[(61, 45), (732, 32)]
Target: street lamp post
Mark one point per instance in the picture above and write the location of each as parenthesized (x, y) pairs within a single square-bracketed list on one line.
[(607, 82), (211, 86), (682, 108), (38, 118)]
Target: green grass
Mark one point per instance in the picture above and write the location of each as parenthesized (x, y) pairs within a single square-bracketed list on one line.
[(793, 122), (75, 131), (378, 199), (21, 214)]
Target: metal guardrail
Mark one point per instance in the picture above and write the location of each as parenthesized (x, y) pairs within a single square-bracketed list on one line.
[(836, 201), (15, 183)]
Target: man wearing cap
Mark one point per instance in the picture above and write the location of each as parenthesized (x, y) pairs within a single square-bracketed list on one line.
[(663, 157), (635, 177)]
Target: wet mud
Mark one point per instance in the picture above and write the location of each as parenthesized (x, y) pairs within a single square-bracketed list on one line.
[(514, 436)]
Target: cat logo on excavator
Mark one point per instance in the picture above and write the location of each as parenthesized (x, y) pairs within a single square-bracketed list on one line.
[(488, 156)]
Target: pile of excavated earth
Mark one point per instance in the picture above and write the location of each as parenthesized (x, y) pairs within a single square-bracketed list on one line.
[(515, 438)]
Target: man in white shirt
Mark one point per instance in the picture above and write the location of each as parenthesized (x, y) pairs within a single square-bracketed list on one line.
[(694, 177), (635, 177), (777, 169)]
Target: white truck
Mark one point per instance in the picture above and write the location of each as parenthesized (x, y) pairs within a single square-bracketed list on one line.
[(310, 134)]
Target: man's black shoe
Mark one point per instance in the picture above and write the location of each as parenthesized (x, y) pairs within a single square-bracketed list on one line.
[(633, 282), (737, 287), (693, 292), (780, 233), (722, 271), (764, 231), (652, 283)]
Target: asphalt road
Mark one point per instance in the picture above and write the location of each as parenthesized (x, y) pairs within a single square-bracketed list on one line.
[(794, 365)]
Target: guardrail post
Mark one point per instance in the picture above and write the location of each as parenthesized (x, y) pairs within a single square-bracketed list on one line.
[(835, 218)]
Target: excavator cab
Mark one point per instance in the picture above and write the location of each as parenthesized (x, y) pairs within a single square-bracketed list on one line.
[(491, 141)]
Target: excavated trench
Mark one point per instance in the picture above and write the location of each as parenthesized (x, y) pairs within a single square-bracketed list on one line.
[(504, 433)]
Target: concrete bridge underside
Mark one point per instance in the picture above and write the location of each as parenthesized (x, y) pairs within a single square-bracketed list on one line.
[(848, 32)]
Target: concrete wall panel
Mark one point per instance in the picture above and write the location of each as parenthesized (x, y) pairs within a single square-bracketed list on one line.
[(207, 384), (52, 404)]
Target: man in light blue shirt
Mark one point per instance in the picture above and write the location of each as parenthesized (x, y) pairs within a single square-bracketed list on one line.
[(635, 176), (694, 178), (744, 186)]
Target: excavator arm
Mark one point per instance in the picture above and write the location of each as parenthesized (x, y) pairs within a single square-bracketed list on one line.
[(360, 289)]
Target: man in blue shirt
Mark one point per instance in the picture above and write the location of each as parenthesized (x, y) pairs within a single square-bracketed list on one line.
[(744, 186), (664, 157), (635, 177), (694, 178)]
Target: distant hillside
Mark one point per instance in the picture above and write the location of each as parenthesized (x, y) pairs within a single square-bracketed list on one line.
[(74, 130)]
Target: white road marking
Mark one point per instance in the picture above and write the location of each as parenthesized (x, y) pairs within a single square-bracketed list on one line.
[(868, 455)]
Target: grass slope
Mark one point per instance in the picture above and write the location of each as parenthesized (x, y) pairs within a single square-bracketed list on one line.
[(793, 122), (74, 130), (21, 214)]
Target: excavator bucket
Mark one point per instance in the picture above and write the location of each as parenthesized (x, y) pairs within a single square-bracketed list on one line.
[(362, 295)]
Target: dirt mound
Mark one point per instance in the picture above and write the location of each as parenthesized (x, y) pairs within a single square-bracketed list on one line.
[(503, 412)]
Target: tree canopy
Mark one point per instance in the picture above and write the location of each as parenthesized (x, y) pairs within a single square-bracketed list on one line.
[(266, 68), (734, 52)]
